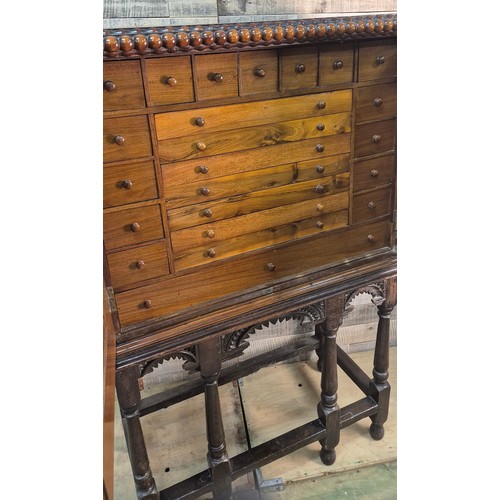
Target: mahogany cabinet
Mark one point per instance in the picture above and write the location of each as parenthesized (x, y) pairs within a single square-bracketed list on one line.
[(249, 174)]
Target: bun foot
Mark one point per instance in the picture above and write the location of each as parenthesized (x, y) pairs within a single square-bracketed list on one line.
[(377, 431), (327, 456)]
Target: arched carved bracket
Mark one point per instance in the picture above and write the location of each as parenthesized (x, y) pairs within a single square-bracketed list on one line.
[(189, 355), (376, 290)]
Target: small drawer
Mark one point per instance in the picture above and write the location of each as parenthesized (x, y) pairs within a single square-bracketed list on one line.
[(129, 183), (336, 64), (376, 102), (126, 138), (132, 226), (216, 76), (368, 174), (377, 60), (370, 205), (299, 68), (374, 138), (138, 264), (259, 72), (170, 80), (122, 85)]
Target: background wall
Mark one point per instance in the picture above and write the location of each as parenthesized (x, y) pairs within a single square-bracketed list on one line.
[(137, 13)]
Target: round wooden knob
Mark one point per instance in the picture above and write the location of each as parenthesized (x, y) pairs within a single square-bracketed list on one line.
[(140, 264), (211, 253), (377, 101), (201, 146), (320, 225), (371, 238), (135, 227), (338, 65), (109, 85), (261, 73), (320, 207), (211, 233), (119, 139), (321, 105), (270, 267), (207, 212), (147, 304), (218, 77), (320, 188), (127, 184), (300, 68), (199, 121), (374, 173), (320, 127), (320, 148), (320, 169), (371, 205), (376, 138), (205, 191), (171, 81), (203, 169), (380, 60)]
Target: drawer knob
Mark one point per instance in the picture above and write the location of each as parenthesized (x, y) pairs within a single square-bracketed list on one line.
[(207, 212), (261, 73), (199, 121), (205, 191), (320, 148), (217, 77), (201, 146), (135, 227), (320, 225), (320, 188), (203, 169), (140, 264), (376, 138), (321, 105), (171, 81), (109, 85), (127, 184), (371, 205), (211, 253), (320, 207), (374, 173), (270, 267), (147, 304), (338, 65), (320, 127), (300, 68), (119, 139), (211, 233), (320, 169), (380, 60), (377, 101), (371, 238)]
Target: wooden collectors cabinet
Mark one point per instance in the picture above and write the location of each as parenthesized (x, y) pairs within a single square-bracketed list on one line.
[(249, 174)]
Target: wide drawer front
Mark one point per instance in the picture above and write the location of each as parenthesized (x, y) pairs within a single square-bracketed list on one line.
[(370, 205), (178, 293), (374, 138), (122, 85), (376, 102), (129, 183), (138, 264), (126, 138), (377, 60), (372, 173), (132, 226)]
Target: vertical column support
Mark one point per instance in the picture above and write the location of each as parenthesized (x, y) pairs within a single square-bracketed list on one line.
[(210, 356), (380, 387), (328, 409), (129, 397)]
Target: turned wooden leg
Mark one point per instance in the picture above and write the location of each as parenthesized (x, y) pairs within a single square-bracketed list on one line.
[(129, 396), (328, 409), (218, 461), (380, 386)]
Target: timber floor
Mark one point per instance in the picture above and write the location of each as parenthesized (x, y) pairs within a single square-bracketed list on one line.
[(264, 405)]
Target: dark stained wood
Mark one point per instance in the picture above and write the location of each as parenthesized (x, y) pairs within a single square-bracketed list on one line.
[(372, 173), (336, 64), (373, 138), (375, 102), (371, 205), (299, 68), (377, 60)]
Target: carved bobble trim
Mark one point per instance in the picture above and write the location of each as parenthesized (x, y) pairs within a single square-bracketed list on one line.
[(137, 42)]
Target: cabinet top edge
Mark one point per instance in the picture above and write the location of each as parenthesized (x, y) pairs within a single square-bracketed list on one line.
[(133, 43)]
